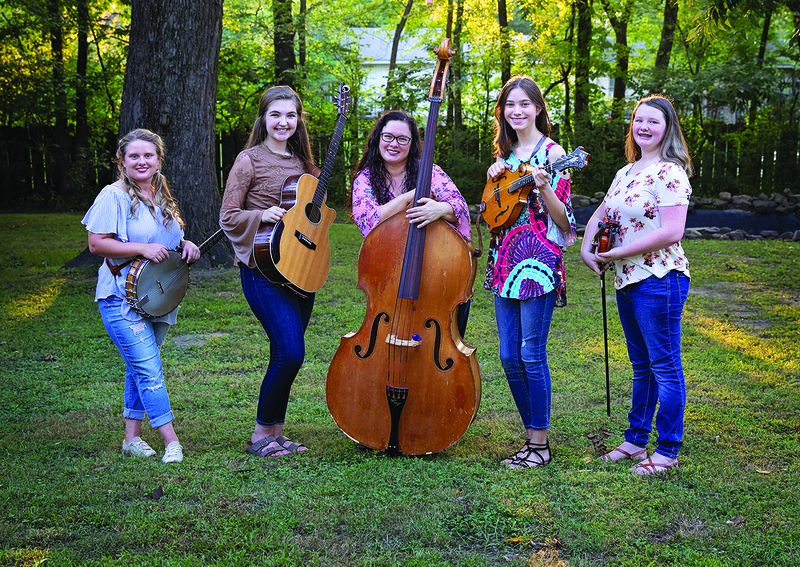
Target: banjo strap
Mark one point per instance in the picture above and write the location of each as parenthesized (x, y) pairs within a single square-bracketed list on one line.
[(117, 269)]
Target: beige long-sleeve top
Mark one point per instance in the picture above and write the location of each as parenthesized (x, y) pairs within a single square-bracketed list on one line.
[(254, 185)]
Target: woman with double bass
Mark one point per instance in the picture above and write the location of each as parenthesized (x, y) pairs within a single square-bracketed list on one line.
[(405, 382), (384, 184)]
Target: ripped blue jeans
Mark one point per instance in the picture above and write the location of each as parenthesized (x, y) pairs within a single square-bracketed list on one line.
[(138, 342)]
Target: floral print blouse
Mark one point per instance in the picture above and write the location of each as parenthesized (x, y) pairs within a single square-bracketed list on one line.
[(366, 209), (634, 202), (525, 260)]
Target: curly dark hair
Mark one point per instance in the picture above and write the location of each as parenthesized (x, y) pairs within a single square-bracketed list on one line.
[(372, 161)]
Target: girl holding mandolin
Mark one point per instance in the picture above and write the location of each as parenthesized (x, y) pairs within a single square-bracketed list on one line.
[(278, 149), (648, 201), (525, 265), (384, 183), (136, 216)]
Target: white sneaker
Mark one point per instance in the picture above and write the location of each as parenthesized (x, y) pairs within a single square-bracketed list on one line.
[(137, 448), (173, 453)]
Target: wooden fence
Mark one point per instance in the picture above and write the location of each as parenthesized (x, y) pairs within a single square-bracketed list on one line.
[(33, 175)]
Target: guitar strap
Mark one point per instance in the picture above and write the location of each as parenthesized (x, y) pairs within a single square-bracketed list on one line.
[(538, 146)]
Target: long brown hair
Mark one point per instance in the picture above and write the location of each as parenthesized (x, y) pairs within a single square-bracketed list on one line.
[(504, 135), (299, 142), (161, 193), (673, 145)]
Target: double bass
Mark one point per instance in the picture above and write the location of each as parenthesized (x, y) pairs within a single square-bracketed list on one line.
[(406, 382)]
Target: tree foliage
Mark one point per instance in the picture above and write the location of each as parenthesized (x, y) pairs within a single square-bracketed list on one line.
[(730, 68)]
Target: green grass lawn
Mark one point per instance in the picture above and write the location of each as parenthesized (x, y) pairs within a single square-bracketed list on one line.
[(69, 498)]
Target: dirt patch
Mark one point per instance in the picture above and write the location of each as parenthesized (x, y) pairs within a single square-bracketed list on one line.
[(185, 341)]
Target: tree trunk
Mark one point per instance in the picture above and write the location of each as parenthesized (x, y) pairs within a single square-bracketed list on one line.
[(301, 36), (284, 42), (762, 50), (582, 63), (458, 60), (398, 33), (665, 45), (505, 43), (80, 143), (59, 165), (620, 25), (170, 87)]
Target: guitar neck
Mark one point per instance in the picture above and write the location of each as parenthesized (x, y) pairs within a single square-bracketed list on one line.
[(327, 168)]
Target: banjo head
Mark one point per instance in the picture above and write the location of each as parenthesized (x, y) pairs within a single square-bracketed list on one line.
[(153, 290)]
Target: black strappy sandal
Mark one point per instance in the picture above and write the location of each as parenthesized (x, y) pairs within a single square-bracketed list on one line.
[(522, 460)]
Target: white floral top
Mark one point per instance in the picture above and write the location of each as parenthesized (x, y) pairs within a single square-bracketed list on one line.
[(633, 201)]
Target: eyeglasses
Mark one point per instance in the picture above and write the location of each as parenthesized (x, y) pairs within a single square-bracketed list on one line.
[(389, 138)]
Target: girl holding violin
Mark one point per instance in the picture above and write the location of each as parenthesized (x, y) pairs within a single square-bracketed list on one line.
[(648, 200), (278, 148), (136, 216), (384, 183), (525, 265)]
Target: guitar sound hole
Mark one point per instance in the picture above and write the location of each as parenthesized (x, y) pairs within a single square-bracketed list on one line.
[(313, 213)]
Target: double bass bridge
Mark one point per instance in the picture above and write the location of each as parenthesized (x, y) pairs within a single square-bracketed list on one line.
[(392, 340)]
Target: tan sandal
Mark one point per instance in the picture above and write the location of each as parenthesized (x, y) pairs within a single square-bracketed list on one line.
[(638, 455), (651, 467)]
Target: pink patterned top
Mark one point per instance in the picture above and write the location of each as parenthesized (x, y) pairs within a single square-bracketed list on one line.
[(366, 209), (633, 201)]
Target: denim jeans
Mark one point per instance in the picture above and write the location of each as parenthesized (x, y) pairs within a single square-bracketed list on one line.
[(523, 327), (285, 317), (650, 312), (138, 342)]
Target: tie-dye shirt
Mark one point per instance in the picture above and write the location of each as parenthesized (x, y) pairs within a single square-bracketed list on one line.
[(633, 201), (525, 260)]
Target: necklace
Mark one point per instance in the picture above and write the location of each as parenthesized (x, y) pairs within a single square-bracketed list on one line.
[(273, 152)]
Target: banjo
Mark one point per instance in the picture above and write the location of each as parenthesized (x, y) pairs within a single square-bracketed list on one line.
[(154, 289)]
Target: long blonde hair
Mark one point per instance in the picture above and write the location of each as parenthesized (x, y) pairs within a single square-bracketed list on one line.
[(161, 193)]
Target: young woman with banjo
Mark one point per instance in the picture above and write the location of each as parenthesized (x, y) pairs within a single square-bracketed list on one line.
[(134, 217)]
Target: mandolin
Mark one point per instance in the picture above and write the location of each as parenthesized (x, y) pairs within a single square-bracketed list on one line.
[(154, 289), (505, 194), (299, 248)]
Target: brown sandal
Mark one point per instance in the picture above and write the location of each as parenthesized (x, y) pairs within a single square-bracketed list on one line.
[(259, 448), (289, 446)]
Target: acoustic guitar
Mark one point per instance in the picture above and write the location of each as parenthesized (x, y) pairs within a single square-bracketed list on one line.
[(299, 248), (505, 194), (154, 289)]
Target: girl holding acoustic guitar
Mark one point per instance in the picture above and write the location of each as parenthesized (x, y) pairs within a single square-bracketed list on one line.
[(134, 217), (525, 266), (278, 150), (384, 183)]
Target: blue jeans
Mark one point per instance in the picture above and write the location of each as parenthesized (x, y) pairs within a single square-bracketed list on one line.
[(650, 312), (138, 342), (523, 327), (285, 317)]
